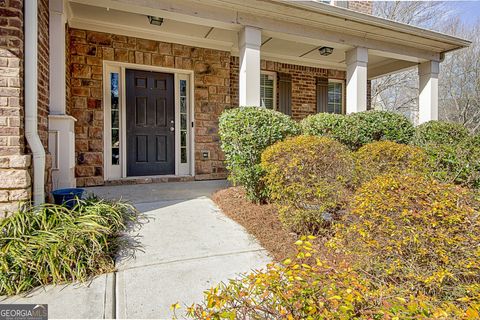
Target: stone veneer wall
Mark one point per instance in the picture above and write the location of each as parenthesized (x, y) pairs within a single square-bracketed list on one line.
[(361, 6), (304, 90), (89, 49)]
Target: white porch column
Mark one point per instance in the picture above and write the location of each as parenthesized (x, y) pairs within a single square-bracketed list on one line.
[(428, 87), (357, 59), (61, 134), (249, 42)]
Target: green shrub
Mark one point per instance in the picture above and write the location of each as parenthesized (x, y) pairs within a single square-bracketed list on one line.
[(382, 157), (307, 177), (370, 126), (325, 124), (245, 132), (439, 132), (358, 129), (416, 232), (53, 244), (308, 287), (454, 154)]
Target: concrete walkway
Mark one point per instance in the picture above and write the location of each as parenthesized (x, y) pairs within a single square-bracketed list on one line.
[(188, 246)]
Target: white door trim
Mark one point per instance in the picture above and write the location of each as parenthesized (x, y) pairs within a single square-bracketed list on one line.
[(115, 172)]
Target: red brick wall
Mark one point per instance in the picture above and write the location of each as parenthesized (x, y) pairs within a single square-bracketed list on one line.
[(14, 165), (11, 73), (89, 49), (304, 99), (43, 71), (361, 6)]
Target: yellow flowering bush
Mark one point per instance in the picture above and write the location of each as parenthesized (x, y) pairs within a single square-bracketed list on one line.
[(308, 178), (416, 232), (307, 287), (383, 157)]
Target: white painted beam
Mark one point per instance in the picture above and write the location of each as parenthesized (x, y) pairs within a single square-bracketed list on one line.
[(428, 86), (384, 69), (357, 60), (249, 42)]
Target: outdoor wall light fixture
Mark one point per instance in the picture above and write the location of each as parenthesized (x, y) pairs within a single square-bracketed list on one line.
[(156, 21), (325, 51)]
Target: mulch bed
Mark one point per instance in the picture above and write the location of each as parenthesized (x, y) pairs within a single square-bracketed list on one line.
[(260, 220)]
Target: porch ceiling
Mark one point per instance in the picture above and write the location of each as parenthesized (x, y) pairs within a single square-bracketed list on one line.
[(123, 17)]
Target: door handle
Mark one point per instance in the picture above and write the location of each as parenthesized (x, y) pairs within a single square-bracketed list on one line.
[(172, 129)]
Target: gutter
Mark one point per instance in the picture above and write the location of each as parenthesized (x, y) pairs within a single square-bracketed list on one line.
[(31, 99)]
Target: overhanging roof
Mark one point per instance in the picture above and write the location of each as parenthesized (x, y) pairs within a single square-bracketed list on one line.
[(350, 18), (291, 31)]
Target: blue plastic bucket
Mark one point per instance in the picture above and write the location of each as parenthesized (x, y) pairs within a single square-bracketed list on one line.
[(67, 196)]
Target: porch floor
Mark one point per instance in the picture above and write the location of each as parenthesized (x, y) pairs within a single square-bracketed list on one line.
[(188, 245)]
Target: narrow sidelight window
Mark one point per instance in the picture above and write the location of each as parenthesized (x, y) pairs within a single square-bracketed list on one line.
[(183, 122), (115, 118)]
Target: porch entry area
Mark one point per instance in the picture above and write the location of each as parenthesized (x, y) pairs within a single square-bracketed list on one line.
[(148, 121)]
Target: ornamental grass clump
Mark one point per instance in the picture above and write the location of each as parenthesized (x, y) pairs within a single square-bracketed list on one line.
[(308, 178), (245, 132), (309, 287), (415, 232), (382, 157), (54, 244)]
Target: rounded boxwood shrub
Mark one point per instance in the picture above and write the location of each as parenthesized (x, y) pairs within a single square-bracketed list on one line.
[(325, 124), (439, 132), (245, 132), (454, 154), (308, 178), (381, 157), (417, 232), (358, 129), (370, 126)]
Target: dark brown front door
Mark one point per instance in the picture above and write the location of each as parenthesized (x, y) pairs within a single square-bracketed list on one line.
[(150, 123)]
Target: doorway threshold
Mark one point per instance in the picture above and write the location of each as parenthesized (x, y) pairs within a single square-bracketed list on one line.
[(149, 179)]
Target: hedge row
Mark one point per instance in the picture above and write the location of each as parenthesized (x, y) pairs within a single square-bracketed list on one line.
[(452, 154)]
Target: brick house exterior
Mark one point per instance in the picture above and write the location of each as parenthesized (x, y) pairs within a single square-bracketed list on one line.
[(15, 158), (207, 49)]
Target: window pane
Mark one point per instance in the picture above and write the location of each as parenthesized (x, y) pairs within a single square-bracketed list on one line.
[(183, 104), (335, 97), (115, 118), (183, 138), (115, 156), (267, 91), (183, 155)]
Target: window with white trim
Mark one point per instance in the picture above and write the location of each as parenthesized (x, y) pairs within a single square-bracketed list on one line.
[(267, 90), (335, 97)]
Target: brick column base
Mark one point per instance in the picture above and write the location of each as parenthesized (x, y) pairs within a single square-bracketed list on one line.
[(15, 185)]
